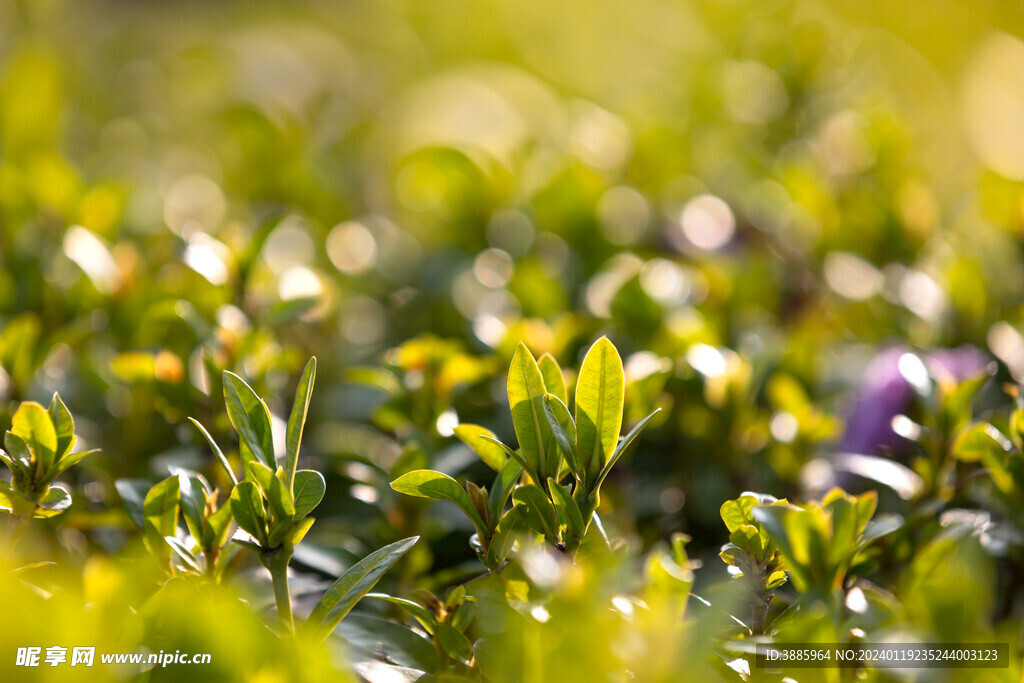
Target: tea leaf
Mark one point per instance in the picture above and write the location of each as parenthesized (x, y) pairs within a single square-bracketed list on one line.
[(623, 447), (247, 508), (297, 421), (526, 400), (133, 493), (599, 400), (31, 423), (554, 380), (350, 587), (160, 512), (437, 486), (564, 430), (193, 503), (473, 436), (418, 611), (502, 487), (64, 424), (309, 491), (250, 418), (539, 510), (455, 644), (216, 450)]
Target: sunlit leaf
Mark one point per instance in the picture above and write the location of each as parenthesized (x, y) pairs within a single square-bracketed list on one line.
[(350, 587)]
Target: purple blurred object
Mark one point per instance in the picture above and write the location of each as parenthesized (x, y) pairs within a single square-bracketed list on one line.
[(886, 393)]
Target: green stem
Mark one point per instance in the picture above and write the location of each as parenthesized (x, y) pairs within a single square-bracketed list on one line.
[(277, 563)]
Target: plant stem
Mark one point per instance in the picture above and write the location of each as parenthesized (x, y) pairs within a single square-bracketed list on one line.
[(277, 563)]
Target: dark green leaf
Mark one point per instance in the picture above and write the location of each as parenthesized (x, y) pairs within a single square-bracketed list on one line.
[(421, 613), (250, 418), (309, 491), (350, 587), (216, 450), (248, 511), (133, 493)]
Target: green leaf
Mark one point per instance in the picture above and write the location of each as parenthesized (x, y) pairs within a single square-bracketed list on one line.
[(133, 493), (55, 501), (273, 490), (517, 457), (455, 644), (437, 486), (250, 418), (623, 447), (64, 424), (309, 491), (599, 400), (418, 611), (564, 430), (68, 461), (350, 587), (978, 441), (554, 380), (539, 510), (216, 450), (473, 436), (736, 513), (160, 513), (297, 420), (218, 524), (31, 423), (21, 457), (183, 552), (247, 508), (299, 530), (193, 503), (568, 511), (502, 487), (526, 400), (510, 528)]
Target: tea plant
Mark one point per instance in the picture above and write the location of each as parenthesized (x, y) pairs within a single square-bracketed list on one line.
[(39, 448), (553, 446)]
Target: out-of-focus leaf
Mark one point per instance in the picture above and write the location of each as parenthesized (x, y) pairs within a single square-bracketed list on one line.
[(133, 493), (54, 502), (978, 440)]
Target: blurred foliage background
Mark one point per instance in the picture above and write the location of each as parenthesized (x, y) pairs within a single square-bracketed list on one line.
[(752, 199)]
